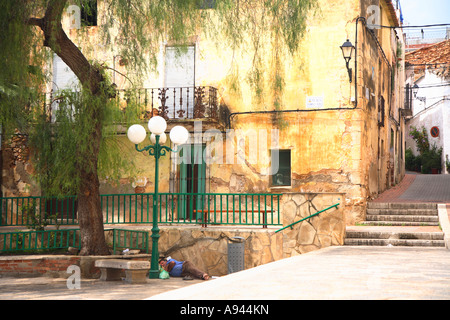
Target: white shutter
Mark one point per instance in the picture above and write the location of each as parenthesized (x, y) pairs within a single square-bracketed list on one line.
[(180, 74), (63, 79)]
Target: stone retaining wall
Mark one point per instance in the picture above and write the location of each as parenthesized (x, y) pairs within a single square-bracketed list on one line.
[(208, 247)]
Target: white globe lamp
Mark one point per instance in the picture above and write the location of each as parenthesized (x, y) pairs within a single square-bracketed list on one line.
[(136, 133), (157, 125), (162, 138), (179, 135)]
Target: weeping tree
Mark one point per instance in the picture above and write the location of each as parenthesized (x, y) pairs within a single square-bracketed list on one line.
[(74, 148)]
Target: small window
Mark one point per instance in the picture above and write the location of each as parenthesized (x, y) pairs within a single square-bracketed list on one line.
[(89, 13), (283, 176)]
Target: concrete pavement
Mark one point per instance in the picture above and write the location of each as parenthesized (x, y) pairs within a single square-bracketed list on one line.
[(45, 288), (375, 273), (346, 272)]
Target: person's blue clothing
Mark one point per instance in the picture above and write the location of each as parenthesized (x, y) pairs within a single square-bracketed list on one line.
[(177, 268)]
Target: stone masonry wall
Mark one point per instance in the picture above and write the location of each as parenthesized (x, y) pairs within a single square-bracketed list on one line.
[(208, 247)]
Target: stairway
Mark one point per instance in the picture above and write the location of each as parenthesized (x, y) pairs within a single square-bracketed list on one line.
[(398, 224), (402, 214)]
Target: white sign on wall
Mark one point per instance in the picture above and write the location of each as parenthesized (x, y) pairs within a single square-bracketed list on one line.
[(314, 102)]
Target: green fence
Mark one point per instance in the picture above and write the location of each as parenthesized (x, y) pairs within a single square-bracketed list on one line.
[(27, 241), (193, 208), (173, 208), (22, 241), (38, 211), (130, 239)]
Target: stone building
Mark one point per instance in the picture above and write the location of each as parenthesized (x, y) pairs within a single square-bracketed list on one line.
[(333, 134)]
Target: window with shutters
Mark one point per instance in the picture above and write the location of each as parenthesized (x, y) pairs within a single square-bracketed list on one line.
[(381, 111), (282, 177)]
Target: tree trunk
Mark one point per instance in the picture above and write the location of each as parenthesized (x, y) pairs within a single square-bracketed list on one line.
[(90, 215)]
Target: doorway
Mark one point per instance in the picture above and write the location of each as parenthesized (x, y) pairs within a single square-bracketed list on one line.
[(192, 182)]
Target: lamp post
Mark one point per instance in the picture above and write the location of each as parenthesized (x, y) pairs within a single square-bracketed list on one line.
[(415, 90), (179, 135), (347, 51)]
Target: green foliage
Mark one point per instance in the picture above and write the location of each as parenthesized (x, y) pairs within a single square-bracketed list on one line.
[(135, 30), (63, 146), (36, 219), (20, 59), (421, 138), (255, 28), (412, 163), (447, 163), (430, 156), (432, 159)]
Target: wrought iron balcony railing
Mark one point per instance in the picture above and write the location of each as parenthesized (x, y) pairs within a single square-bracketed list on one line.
[(175, 103)]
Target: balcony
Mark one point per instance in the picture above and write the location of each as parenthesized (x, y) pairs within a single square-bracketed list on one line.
[(175, 103)]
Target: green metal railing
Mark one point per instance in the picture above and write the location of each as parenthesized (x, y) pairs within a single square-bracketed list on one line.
[(308, 217), (173, 208), (33, 211), (130, 239), (36, 240), (193, 208), (21, 241)]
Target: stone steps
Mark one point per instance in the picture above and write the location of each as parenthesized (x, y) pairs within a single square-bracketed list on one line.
[(397, 224), (384, 238), (402, 214)]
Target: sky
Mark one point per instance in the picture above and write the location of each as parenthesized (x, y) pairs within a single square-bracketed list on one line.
[(420, 12), (426, 12)]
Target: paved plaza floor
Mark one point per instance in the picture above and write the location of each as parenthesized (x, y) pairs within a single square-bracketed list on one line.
[(334, 273)]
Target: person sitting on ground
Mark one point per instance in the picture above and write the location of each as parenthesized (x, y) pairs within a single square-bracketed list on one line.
[(184, 269)]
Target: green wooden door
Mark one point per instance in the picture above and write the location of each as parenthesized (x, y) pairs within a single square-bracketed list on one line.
[(192, 183)]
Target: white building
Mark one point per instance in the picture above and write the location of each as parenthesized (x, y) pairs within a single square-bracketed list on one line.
[(428, 94)]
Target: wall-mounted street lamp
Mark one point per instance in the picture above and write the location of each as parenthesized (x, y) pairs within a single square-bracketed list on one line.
[(137, 133), (415, 90), (347, 51)]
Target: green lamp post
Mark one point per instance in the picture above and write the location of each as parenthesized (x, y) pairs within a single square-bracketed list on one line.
[(179, 135)]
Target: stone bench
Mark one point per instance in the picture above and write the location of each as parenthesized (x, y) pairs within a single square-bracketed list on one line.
[(135, 271)]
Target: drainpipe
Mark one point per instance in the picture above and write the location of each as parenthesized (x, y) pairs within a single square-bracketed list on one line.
[(282, 111)]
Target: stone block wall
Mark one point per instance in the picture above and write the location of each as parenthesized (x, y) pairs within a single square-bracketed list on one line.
[(324, 230), (208, 247)]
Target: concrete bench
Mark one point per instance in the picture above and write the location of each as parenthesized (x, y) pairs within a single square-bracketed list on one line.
[(135, 271)]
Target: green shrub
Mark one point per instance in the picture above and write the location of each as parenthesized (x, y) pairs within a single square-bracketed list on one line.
[(412, 162), (430, 156), (432, 159)]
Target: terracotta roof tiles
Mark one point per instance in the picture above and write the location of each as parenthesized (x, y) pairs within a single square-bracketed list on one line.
[(435, 58)]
